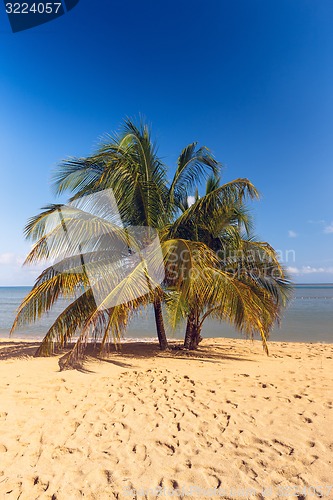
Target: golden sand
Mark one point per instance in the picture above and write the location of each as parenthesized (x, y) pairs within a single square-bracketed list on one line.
[(225, 422)]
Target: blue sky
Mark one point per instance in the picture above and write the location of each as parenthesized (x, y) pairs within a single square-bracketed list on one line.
[(250, 79)]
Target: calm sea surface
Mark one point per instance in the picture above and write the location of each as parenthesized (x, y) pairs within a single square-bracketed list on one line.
[(309, 318)]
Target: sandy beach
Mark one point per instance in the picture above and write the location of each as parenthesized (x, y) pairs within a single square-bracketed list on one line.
[(226, 421)]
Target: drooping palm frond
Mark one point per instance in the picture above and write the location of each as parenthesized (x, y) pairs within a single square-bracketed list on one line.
[(67, 324), (37, 226), (183, 259), (176, 307), (105, 264), (102, 322), (70, 231), (259, 262), (250, 309), (44, 295), (113, 295)]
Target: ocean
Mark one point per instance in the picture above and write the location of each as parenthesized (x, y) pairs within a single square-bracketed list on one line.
[(309, 318)]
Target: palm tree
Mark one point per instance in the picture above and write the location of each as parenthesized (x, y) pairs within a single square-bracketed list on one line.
[(129, 165), (249, 287)]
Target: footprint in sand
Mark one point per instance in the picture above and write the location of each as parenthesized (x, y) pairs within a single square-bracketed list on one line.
[(165, 448), (213, 481), (140, 451), (282, 448), (109, 477), (246, 469), (234, 405), (3, 448), (121, 431), (41, 485), (60, 451)]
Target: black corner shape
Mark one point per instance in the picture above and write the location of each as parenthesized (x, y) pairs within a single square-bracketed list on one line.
[(24, 15)]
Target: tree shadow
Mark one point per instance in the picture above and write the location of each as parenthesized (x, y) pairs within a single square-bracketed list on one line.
[(209, 353), (123, 355), (17, 349)]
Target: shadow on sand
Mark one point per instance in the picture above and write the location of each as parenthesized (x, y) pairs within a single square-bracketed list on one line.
[(126, 353), (17, 349)]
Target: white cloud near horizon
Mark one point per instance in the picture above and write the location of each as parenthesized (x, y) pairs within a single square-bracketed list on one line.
[(309, 270), (328, 229), (12, 272), (292, 234), (8, 258), (321, 222)]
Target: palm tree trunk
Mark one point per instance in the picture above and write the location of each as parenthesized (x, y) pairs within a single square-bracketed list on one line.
[(189, 331), (193, 329), (160, 324), (196, 337)]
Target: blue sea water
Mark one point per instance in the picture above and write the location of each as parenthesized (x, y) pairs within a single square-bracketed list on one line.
[(309, 318)]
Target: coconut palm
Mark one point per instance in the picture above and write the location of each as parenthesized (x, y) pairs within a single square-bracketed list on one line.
[(129, 165), (249, 288)]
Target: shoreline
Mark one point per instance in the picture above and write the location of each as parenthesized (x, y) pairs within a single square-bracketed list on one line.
[(176, 341), (224, 419)]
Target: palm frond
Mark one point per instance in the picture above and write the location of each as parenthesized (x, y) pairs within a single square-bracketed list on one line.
[(67, 324), (194, 165), (76, 174), (45, 293), (176, 308), (212, 203)]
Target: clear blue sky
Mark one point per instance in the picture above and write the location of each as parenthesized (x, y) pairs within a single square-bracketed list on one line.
[(251, 79)]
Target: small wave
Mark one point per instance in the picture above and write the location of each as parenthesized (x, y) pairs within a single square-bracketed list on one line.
[(313, 298), (39, 338)]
